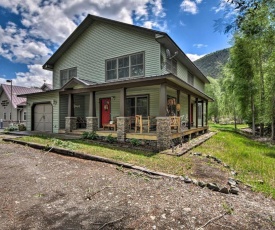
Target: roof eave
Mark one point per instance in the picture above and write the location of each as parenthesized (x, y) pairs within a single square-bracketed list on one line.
[(169, 43)]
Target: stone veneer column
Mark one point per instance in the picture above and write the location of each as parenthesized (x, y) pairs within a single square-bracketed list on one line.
[(164, 133), (122, 128), (92, 124), (70, 124)]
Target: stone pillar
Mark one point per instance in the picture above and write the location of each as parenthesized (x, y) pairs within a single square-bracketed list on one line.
[(92, 124), (164, 134), (70, 124), (122, 128)]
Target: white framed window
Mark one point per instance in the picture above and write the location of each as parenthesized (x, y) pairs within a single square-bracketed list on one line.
[(171, 66), (66, 75), (5, 116), (24, 116), (125, 66), (190, 79), (10, 116)]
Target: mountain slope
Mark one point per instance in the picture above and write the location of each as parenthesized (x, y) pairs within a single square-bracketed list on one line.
[(211, 64)]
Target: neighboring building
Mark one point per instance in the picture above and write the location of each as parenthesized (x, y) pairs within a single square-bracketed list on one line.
[(13, 110), (108, 69)]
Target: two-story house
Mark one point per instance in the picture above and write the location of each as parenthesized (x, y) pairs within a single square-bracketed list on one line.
[(108, 70)]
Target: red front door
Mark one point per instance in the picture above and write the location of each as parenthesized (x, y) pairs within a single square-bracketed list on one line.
[(105, 110)]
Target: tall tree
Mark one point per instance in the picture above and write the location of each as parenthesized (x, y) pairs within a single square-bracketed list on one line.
[(242, 68)]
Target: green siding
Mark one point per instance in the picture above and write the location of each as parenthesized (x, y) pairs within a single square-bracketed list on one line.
[(63, 110), (103, 41), (45, 97)]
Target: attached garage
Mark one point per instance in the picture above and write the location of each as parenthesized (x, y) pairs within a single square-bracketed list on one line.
[(43, 117)]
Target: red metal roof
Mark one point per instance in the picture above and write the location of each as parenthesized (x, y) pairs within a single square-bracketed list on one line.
[(17, 90)]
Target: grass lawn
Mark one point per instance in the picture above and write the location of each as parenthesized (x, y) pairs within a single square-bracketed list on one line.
[(254, 162)]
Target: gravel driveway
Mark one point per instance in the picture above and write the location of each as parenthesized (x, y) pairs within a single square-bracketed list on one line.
[(41, 190)]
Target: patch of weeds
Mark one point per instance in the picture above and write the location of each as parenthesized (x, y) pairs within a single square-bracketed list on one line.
[(63, 144), (90, 135), (110, 139), (135, 142), (39, 195), (228, 208), (120, 168)]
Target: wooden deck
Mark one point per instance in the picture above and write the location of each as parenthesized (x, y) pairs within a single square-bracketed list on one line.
[(145, 135)]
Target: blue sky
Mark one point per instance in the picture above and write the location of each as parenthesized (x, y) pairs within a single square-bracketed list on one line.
[(31, 30)]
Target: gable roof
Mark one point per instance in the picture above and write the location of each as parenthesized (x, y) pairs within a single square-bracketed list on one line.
[(17, 90), (161, 37)]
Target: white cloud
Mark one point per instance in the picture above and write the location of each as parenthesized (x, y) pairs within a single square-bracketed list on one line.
[(190, 6), (17, 46), (194, 57), (34, 77), (199, 45), (46, 24)]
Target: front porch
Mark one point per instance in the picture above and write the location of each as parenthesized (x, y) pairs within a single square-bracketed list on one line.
[(156, 109), (154, 137)]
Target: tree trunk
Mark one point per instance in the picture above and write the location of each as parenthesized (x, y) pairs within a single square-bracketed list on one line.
[(262, 94), (253, 116)]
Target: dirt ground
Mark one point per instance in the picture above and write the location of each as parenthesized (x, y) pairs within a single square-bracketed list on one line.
[(40, 190)]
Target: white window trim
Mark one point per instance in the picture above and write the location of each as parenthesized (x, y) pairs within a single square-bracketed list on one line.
[(130, 66)]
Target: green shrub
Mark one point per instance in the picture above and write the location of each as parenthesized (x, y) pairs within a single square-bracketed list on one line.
[(22, 127), (110, 139), (135, 142), (90, 135)]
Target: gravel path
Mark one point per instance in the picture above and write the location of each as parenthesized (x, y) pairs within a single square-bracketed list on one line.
[(47, 191)]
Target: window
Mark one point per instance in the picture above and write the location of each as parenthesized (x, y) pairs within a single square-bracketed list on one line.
[(137, 105), (190, 79), (126, 66), (24, 116), (5, 116), (10, 116), (171, 66), (66, 75), (199, 111)]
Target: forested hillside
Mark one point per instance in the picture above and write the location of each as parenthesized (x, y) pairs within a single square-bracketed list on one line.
[(211, 64)]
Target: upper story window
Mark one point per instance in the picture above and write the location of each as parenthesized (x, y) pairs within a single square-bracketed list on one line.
[(24, 116), (171, 66), (66, 75), (190, 79), (126, 66)]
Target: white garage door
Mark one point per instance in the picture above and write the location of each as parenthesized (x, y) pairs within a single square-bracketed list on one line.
[(43, 116)]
